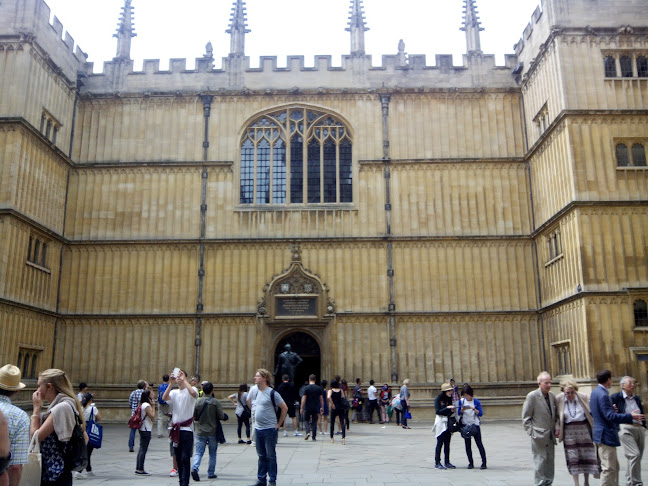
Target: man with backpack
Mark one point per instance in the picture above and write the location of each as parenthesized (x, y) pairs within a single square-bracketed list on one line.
[(208, 412), (267, 401), (134, 401)]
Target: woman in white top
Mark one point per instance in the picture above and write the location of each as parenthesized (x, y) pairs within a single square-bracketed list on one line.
[(574, 428), (148, 414), (239, 399), (470, 411), (89, 410)]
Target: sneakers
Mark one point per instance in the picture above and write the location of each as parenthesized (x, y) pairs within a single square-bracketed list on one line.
[(241, 441), (307, 436), (142, 473), (285, 433), (213, 476), (439, 466), (78, 475), (449, 466), (483, 466), (471, 466), (194, 475), (297, 434), (249, 442), (90, 473), (173, 473)]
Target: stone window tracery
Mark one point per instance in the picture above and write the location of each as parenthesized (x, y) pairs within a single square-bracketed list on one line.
[(630, 153), (625, 63), (294, 156), (562, 353)]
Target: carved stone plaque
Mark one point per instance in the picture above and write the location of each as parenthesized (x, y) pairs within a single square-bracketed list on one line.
[(294, 306)]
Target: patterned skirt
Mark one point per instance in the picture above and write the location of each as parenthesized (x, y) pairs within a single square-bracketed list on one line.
[(580, 453)]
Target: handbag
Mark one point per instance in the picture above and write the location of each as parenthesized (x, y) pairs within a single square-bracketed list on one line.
[(408, 415), (94, 431), (467, 431), (31, 472), (246, 413)]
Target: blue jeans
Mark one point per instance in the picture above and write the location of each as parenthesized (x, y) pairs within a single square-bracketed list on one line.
[(201, 443), (266, 443), (131, 439)]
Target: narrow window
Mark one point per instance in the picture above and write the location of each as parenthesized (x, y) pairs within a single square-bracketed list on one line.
[(42, 123), (297, 169), (36, 251), (551, 248), (54, 134), (26, 363), (638, 155), (49, 129), (33, 366), (263, 172), (29, 249), (314, 172), (330, 172), (610, 67), (247, 172), (622, 155), (642, 67), (626, 66), (346, 178), (43, 254), (20, 356), (279, 172), (640, 313)]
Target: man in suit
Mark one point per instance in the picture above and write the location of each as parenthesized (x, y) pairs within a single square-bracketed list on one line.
[(605, 434), (632, 435), (538, 417)]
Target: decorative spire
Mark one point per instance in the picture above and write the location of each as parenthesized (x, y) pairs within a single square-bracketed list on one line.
[(125, 31), (472, 26), (237, 29), (357, 28)]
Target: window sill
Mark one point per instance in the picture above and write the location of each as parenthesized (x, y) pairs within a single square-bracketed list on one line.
[(641, 328), (632, 167), (296, 207), (38, 267), (554, 260)]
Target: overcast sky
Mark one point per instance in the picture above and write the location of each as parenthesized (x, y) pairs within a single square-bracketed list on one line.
[(181, 29)]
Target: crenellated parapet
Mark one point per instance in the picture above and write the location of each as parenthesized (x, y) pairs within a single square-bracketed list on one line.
[(28, 21), (355, 72)]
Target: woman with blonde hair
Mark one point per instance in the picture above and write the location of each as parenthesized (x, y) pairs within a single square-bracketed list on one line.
[(56, 424), (574, 428)]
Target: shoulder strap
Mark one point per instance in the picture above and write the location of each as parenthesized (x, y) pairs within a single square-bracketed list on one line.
[(207, 402)]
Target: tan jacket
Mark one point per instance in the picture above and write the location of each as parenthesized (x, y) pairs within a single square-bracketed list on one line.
[(538, 419), (560, 410)]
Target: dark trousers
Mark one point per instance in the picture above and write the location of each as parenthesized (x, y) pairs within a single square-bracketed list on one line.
[(373, 405), (338, 413), (242, 421), (65, 479), (404, 413), (89, 466), (145, 439), (183, 456), (480, 446), (443, 440), (311, 422)]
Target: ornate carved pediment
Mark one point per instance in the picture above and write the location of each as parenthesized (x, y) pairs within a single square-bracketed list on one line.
[(295, 294)]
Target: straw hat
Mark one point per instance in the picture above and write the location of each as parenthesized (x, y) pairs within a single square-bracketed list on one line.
[(10, 378), (446, 387)]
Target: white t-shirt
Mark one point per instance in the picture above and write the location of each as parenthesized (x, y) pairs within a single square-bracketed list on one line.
[(91, 409), (371, 393), (147, 423), (183, 407)]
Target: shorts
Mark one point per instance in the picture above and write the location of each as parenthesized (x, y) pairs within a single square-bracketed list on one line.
[(291, 409)]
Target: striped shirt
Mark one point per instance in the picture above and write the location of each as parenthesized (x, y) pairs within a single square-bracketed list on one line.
[(18, 422)]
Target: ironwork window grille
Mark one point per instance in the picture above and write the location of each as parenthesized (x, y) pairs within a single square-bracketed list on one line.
[(296, 155)]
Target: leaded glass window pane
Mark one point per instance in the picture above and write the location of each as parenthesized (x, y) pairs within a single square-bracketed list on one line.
[(297, 170), (279, 173), (346, 178), (638, 155), (247, 173), (330, 176), (640, 313), (622, 155), (626, 66), (314, 174), (642, 67), (263, 172), (610, 67)]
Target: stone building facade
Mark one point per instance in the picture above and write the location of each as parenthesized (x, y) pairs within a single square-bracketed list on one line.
[(396, 221)]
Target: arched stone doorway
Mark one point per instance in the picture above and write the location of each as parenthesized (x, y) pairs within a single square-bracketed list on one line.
[(308, 349)]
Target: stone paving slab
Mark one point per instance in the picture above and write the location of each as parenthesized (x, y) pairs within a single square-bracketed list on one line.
[(374, 455)]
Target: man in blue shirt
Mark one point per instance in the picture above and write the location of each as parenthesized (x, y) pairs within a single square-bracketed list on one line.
[(605, 433), (163, 409)]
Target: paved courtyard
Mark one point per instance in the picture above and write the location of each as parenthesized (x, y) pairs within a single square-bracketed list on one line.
[(375, 455)]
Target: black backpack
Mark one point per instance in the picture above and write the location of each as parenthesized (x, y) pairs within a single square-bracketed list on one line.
[(75, 451), (277, 409)]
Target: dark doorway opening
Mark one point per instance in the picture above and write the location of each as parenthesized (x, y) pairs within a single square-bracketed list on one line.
[(307, 348)]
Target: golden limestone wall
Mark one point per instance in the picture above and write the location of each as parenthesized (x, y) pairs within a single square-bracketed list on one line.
[(560, 274), (131, 348), (460, 199), (170, 129), (26, 329), (455, 125), (22, 280), (613, 247), (552, 177), (597, 177), (130, 279), (29, 86), (456, 275), (134, 203), (33, 178)]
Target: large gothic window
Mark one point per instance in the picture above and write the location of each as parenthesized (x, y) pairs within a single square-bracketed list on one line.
[(295, 156)]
